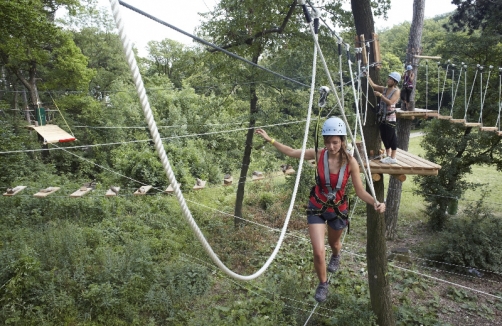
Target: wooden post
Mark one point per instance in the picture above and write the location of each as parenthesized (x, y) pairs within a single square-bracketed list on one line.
[(376, 51), (364, 52)]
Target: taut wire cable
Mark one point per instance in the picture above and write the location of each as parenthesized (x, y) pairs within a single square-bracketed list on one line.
[(167, 167), (198, 39)]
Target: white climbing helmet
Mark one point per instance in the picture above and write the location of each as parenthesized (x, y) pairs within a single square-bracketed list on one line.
[(334, 127), (396, 76), (409, 67)]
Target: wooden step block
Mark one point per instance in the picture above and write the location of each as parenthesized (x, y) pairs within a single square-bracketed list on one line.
[(289, 171), (13, 191), (488, 128), (376, 176), (142, 190), (457, 121), (46, 192), (113, 191), (499, 133), (82, 191), (444, 117), (227, 181), (257, 176), (472, 124), (199, 184), (400, 177)]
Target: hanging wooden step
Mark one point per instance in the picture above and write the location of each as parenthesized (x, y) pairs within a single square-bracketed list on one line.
[(169, 190), (287, 169), (227, 180), (113, 191), (444, 117), (46, 192), (462, 121), (472, 124), (199, 184), (416, 113), (80, 192), (53, 134), (14, 191), (488, 129), (257, 176), (142, 190)]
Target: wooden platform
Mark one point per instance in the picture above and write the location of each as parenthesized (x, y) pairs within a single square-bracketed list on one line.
[(53, 134), (407, 163)]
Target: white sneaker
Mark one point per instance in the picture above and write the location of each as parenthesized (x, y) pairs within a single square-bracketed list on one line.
[(391, 160), (385, 160)]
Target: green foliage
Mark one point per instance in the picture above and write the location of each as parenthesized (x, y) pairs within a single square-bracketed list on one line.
[(456, 149), (469, 240)]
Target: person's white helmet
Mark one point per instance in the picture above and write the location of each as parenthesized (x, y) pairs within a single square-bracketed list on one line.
[(396, 76), (409, 67), (334, 127)]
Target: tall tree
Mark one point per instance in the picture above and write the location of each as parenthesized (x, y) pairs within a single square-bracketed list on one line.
[(477, 14), (250, 28), (30, 40), (376, 248), (404, 125)]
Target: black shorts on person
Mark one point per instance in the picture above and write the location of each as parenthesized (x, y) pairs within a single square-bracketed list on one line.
[(335, 222)]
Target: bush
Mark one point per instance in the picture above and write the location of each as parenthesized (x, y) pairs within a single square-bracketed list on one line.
[(471, 240)]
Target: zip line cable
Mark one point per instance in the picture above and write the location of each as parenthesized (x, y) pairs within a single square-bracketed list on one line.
[(198, 39), (165, 162)]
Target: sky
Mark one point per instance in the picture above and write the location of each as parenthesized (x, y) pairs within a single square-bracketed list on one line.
[(184, 15)]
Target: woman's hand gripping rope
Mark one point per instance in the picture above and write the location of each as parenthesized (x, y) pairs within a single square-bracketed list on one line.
[(379, 207)]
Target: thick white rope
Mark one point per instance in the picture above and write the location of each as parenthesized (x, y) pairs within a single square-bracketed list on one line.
[(167, 167)]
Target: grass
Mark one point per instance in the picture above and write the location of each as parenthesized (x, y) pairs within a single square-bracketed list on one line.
[(481, 174)]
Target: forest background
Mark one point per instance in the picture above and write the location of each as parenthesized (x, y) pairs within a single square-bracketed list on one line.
[(133, 260)]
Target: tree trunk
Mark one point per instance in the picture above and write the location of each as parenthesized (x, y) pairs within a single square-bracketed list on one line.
[(246, 159), (376, 248), (404, 125)]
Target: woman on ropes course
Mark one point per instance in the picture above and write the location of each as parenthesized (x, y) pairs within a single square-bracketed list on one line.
[(328, 202), (408, 77), (387, 114)]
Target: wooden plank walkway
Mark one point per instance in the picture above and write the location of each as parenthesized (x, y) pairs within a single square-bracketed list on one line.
[(407, 163), (423, 113)]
